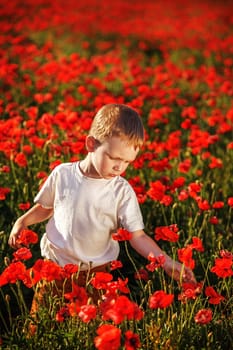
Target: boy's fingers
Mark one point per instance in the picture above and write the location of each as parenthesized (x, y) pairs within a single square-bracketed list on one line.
[(13, 243), (188, 276)]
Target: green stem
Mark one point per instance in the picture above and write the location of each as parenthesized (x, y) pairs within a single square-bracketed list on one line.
[(229, 219), (132, 262), (8, 311)]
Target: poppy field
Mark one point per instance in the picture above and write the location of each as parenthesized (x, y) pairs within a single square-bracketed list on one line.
[(172, 61)]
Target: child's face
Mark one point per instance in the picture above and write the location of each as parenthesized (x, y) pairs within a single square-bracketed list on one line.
[(112, 157)]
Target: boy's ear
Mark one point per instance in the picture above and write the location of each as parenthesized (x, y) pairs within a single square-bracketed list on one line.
[(91, 143)]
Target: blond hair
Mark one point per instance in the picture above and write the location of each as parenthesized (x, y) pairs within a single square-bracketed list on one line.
[(118, 120)]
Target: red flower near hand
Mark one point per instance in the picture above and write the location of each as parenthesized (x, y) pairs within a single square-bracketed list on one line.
[(167, 233), (185, 255), (109, 337), (160, 300), (203, 316), (214, 297), (22, 254), (122, 235), (27, 237), (155, 262), (190, 291)]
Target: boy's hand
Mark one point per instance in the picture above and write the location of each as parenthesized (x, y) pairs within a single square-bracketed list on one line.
[(178, 271), (17, 228)]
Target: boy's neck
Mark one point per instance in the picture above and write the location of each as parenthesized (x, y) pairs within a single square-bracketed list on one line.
[(87, 169)]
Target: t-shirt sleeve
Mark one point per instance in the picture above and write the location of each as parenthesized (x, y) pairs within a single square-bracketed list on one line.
[(45, 197), (130, 215)]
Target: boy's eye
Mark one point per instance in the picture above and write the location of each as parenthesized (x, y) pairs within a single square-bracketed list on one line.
[(118, 159)]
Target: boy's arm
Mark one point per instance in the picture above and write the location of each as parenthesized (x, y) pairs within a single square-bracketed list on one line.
[(145, 245), (33, 216)]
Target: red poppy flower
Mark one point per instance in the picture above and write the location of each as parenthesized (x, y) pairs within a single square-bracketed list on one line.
[(218, 205), (203, 316), (122, 235), (214, 220), (87, 313), (3, 192), (156, 190), (78, 294), (167, 233), (184, 166), (132, 341), (183, 195), (177, 183), (226, 254), (223, 267), (155, 262), (116, 264), (14, 272), (166, 200), (50, 271), (160, 300), (69, 270), (22, 254), (5, 169), (109, 337), (41, 175), (74, 308), (119, 309), (21, 160), (24, 206), (214, 297), (101, 279), (112, 287), (197, 244), (27, 237), (190, 291), (203, 204), (185, 256), (230, 202), (194, 188)]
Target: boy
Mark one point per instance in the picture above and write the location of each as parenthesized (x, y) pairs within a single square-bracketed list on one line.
[(88, 200)]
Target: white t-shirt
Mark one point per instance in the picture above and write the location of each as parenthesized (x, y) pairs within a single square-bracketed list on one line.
[(86, 212)]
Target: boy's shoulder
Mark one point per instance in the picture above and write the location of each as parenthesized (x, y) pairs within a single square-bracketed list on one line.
[(122, 182), (63, 168), (66, 165)]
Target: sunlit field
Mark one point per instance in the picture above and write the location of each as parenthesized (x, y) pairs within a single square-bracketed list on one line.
[(60, 61)]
